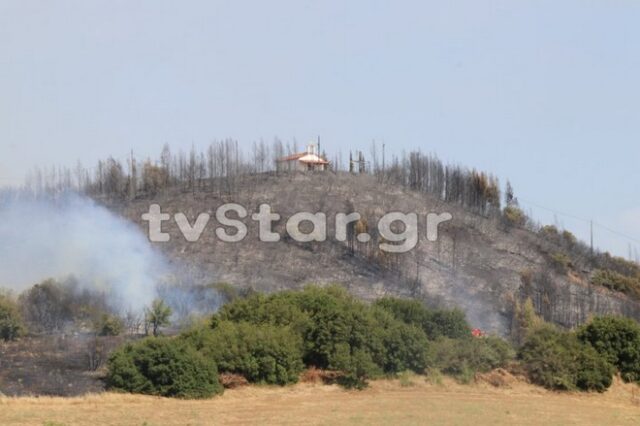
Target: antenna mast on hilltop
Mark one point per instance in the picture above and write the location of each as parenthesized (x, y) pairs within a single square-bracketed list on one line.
[(360, 161)]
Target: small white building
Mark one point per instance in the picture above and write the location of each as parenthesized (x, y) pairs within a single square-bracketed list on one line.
[(303, 161)]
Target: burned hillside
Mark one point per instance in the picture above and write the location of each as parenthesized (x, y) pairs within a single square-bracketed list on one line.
[(488, 259), (484, 261)]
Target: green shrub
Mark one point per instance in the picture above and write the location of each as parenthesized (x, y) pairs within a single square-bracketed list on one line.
[(569, 239), (339, 328), (560, 262), (514, 216), (109, 325), (558, 360), (594, 372), (616, 281), (524, 321), (620, 265), (356, 365), (11, 326), (547, 360), (550, 232), (435, 323), (164, 367), (401, 346), (409, 311), (261, 353), (157, 315), (277, 309), (617, 339), (448, 323), (338, 332), (462, 358)]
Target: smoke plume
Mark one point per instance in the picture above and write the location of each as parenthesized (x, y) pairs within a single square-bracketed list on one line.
[(68, 235)]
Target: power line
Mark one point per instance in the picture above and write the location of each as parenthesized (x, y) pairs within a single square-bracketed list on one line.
[(589, 221), (620, 234), (554, 211)]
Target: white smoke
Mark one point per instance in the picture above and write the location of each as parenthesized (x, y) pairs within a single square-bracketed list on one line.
[(72, 235)]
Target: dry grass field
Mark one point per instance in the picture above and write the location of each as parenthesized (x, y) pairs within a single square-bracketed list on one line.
[(412, 401)]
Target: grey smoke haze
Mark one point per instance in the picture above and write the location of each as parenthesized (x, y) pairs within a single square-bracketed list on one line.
[(72, 235)]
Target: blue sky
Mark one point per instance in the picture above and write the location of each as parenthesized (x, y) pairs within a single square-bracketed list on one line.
[(544, 93)]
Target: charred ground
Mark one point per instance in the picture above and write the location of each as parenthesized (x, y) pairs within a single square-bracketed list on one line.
[(485, 262)]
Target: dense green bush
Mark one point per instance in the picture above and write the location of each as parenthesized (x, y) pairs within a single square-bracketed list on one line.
[(462, 358), (448, 323), (435, 323), (558, 360), (338, 332), (11, 326), (617, 339), (401, 347), (164, 367), (270, 338), (261, 353), (594, 373)]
